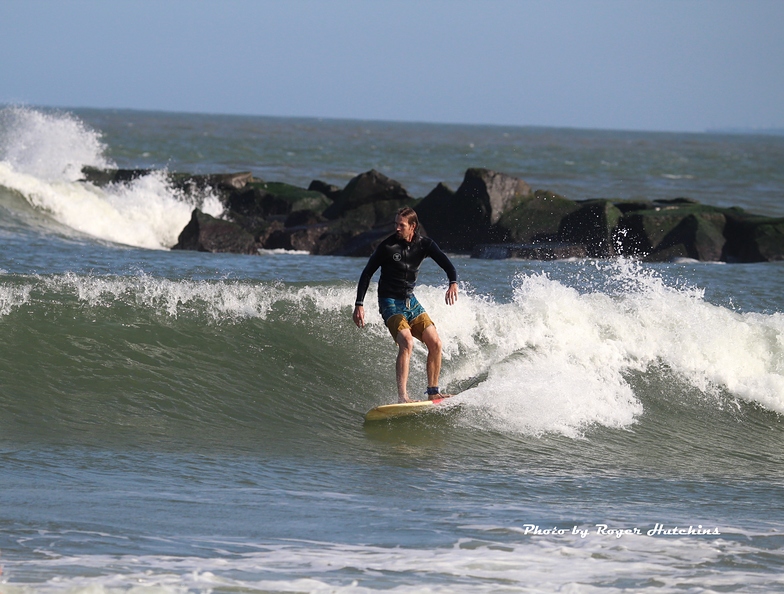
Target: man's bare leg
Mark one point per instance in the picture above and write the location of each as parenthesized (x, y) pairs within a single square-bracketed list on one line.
[(405, 344), (433, 343)]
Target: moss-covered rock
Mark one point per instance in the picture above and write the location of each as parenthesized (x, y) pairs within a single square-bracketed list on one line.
[(698, 236), (595, 225), (282, 199), (534, 219), (668, 231), (753, 238)]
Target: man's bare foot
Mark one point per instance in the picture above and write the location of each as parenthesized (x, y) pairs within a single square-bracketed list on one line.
[(403, 400), (439, 396)]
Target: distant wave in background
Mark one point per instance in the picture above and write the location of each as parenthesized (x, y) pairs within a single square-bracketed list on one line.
[(41, 160)]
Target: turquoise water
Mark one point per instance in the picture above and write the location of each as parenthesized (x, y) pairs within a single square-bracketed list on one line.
[(177, 421)]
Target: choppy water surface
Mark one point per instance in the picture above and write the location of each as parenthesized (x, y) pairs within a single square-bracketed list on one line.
[(194, 422)]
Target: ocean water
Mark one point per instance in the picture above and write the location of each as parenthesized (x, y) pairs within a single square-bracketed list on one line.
[(190, 422)]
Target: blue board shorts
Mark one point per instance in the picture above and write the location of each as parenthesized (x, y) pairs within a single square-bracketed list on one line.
[(399, 314)]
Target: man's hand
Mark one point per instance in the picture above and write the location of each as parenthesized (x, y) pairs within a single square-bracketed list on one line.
[(451, 294), (359, 316)]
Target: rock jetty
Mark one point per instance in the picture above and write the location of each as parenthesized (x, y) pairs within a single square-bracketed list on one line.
[(491, 215)]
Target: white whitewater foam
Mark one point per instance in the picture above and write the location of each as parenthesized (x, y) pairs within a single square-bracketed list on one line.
[(557, 359), (12, 297), (41, 158), (50, 147), (220, 301), (566, 563)]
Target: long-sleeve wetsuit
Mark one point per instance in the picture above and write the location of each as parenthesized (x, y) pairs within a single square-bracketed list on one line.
[(399, 261)]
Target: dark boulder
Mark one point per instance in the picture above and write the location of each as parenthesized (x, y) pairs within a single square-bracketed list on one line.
[(297, 198), (460, 220), (300, 231), (534, 219), (668, 231), (259, 203), (370, 189), (301, 238), (255, 202), (330, 243), (104, 177), (434, 214), (594, 224), (300, 218), (306, 239), (205, 233), (698, 236), (363, 244), (265, 199), (492, 193), (220, 182), (355, 234), (329, 190), (363, 210), (753, 238)]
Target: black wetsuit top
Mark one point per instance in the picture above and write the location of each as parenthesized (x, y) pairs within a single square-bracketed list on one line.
[(399, 261)]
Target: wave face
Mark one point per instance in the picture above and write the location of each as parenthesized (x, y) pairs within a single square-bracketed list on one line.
[(149, 355), (41, 160)]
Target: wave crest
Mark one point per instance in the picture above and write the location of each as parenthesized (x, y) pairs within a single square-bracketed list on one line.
[(41, 158)]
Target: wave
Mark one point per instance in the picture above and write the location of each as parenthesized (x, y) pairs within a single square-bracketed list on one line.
[(41, 159), (580, 351), (159, 355)]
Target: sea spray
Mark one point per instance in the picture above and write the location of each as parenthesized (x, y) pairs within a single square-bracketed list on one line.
[(52, 147), (549, 368), (559, 359), (12, 297), (41, 158)]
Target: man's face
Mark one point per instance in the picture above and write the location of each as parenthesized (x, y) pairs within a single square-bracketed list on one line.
[(404, 230)]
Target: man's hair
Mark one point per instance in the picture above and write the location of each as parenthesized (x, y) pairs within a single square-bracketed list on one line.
[(410, 216)]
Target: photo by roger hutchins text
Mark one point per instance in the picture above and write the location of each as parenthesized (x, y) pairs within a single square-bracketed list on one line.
[(606, 530)]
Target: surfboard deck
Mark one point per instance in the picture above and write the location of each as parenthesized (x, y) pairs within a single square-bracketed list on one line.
[(403, 409)]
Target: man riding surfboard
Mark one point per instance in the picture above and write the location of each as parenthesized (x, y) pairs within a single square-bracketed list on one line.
[(399, 256)]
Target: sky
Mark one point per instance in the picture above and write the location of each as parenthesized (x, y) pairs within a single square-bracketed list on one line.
[(660, 65)]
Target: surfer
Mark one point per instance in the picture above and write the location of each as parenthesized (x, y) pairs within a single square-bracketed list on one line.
[(399, 257)]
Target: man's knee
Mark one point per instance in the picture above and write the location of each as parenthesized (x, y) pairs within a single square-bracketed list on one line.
[(431, 339), (405, 341)]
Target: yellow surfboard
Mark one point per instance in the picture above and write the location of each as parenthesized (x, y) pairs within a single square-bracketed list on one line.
[(404, 409)]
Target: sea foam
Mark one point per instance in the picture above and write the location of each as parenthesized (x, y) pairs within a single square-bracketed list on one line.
[(51, 147), (41, 158), (559, 359), (523, 563)]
